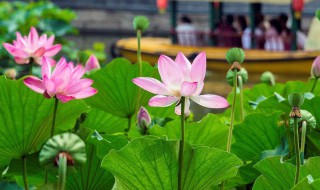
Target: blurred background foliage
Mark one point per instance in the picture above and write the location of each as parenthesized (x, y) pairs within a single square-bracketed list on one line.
[(47, 18)]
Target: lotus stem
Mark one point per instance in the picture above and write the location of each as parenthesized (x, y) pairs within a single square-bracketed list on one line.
[(139, 51), (232, 117), (24, 173), (181, 145), (303, 140), (314, 84), (241, 97), (30, 67), (129, 126), (55, 108), (139, 59), (62, 164), (296, 143)]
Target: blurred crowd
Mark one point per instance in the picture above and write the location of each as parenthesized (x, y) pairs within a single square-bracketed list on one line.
[(235, 31)]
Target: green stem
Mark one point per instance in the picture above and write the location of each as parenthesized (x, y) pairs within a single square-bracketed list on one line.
[(240, 82), (303, 140), (229, 142), (129, 125), (139, 51), (62, 173), (181, 145), (30, 66), (55, 108), (24, 173), (296, 143), (289, 139), (140, 65), (314, 84)]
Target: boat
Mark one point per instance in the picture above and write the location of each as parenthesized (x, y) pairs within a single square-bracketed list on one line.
[(287, 65)]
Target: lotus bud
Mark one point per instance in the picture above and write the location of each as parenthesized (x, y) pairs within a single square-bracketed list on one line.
[(140, 23), (315, 69), (243, 73), (11, 74), (235, 55), (92, 64), (68, 144), (268, 78), (144, 120), (309, 118)]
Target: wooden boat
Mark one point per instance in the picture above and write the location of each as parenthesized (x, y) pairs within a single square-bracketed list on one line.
[(286, 65)]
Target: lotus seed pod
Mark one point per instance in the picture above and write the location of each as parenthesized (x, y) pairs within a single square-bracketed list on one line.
[(243, 73), (140, 23), (296, 99), (68, 143), (315, 68), (235, 55), (309, 118), (268, 77)]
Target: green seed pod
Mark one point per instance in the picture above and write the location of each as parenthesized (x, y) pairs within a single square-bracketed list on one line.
[(140, 23), (235, 55), (69, 143), (243, 73), (268, 77), (296, 99), (308, 117)]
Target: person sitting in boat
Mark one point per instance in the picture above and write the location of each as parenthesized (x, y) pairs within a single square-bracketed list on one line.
[(286, 32), (186, 32), (259, 33), (274, 40), (227, 35)]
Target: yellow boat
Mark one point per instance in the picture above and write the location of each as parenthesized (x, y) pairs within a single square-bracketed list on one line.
[(286, 65)]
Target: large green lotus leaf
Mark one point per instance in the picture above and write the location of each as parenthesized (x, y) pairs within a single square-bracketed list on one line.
[(274, 104), (35, 171), (210, 131), (104, 122), (281, 174), (90, 176), (308, 183), (153, 164), (117, 94), (26, 118), (313, 107), (246, 175), (257, 133)]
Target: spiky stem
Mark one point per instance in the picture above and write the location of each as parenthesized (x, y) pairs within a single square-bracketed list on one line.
[(181, 145), (229, 142), (24, 173)]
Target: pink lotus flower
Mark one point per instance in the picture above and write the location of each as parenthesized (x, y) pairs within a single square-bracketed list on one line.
[(27, 47), (92, 64), (144, 120), (64, 82), (315, 69), (180, 78)]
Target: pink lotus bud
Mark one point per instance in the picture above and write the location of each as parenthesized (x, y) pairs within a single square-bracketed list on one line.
[(11, 74), (92, 64), (315, 69), (144, 120)]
